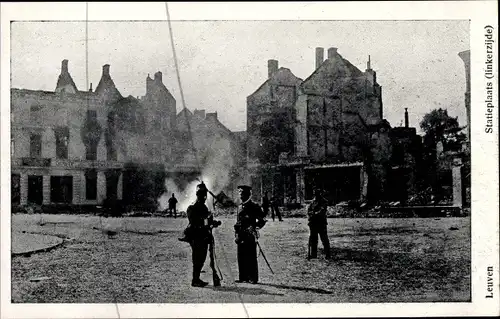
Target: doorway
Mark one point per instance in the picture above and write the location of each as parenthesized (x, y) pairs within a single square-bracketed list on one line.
[(35, 189)]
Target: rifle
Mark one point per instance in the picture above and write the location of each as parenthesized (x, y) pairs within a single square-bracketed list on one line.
[(213, 195)]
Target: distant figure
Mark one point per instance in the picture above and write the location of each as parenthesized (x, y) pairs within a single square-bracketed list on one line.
[(172, 205), (275, 208), (265, 204), (316, 213)]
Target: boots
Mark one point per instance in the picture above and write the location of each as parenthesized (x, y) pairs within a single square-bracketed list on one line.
[(216, 280), (198, 283)]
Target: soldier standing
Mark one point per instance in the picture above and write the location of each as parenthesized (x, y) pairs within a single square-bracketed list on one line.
[(200, 235), (265, 205), (250, 219), (275, 208), (172, 205), (317, 225)]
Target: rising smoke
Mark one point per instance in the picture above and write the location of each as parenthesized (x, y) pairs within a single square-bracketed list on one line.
[(217, 160)]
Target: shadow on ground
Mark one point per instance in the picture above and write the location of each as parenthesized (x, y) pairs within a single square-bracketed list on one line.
[(245, 290), (306, 289)]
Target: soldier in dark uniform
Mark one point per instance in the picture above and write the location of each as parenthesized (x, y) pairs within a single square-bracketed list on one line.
[(317, 225), (275, 208), (200, 235), (265, 204), (172, 203), (250, 220)]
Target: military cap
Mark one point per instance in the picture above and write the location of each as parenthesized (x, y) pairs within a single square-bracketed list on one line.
[(245, 188)]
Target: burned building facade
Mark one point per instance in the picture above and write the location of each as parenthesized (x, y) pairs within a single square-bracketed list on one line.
[(85, 147), (341, 142), (88, 147)]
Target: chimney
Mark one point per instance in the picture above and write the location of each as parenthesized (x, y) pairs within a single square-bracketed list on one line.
[(406, 117), (211, 116), (368, 64), (272, 66), (90, 89), (105, 70), (64, 66), (332, 52), (158, 77), (320, 56)]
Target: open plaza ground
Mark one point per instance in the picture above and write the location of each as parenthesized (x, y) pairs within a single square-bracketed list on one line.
[(140, 260)]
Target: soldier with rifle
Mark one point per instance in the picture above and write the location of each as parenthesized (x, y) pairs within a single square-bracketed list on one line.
[(317, 221), (199, 235), (250, 219)]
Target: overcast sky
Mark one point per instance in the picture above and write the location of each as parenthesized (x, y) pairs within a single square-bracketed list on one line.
[(222, 62)]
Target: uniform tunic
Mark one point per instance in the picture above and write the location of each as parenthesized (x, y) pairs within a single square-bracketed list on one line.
[(200, 235), (317, 226), (250, 217)]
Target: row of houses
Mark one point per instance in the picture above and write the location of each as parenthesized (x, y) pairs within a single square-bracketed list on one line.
[(328, 131), (84, 147)]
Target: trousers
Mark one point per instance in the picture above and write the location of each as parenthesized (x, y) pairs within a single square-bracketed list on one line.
[(314, 231), (275, 209), (199, 249), (247, 261)]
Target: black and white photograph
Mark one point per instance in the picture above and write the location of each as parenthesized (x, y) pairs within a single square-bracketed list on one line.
[(248, 161)]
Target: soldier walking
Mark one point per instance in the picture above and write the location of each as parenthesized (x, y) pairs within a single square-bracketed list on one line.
[(200, 236), (317, 221), (250, 219)]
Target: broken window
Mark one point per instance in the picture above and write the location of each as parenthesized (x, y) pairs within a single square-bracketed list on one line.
[(35, 113), (61, 189), (35, 189), (91, 115), (15, 189), (91, 147), (36, 145), (62, 141), (91, 184)]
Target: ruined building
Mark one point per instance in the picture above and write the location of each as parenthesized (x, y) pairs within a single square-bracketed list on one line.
[(406, 175), (336, 137), (85, 147), (90, 147)]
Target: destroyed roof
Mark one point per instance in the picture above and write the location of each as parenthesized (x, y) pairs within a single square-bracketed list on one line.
[(283, 76), (337, 66), (65, 79)]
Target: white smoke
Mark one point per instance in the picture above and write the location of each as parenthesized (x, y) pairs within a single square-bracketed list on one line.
[(215, 173)]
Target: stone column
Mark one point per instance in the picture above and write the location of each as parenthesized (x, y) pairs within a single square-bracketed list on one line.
[(465, 56), (363, 178), (300, 185), (101, 149), (48, 143), (83, 189), (457, 183), (23, 188), (46, 189), (119, 187), (77, 185), (101, 187)]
